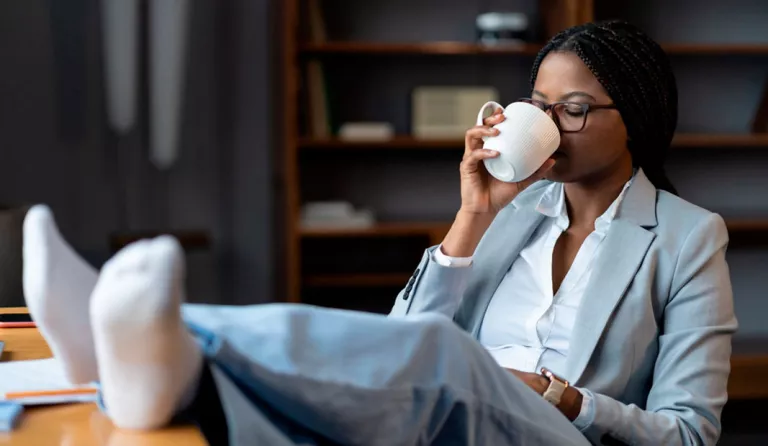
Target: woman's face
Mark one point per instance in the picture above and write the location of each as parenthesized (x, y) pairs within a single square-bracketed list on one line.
[(601, 146)]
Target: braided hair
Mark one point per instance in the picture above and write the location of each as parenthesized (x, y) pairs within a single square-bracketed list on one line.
[(637, 75)]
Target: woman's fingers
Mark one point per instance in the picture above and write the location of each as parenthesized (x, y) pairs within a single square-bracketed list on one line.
[(473, 139), (495, 118), (471, 161)]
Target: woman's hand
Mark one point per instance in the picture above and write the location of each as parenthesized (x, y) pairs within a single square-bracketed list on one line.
[(535, 381), (480, 192), (570, 402), (482, 196)]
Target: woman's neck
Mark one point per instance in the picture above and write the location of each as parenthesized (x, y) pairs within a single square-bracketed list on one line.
[(588, 200)]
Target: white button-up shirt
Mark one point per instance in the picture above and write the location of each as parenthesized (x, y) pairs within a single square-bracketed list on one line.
[(527, 325)]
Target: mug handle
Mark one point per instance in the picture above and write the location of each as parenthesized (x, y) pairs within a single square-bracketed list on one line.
[(495, 105)]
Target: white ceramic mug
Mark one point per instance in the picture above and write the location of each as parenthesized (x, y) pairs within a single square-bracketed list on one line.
[(527, 137)]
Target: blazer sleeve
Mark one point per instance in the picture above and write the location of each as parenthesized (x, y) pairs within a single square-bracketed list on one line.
[(432, 288), (690, 376)]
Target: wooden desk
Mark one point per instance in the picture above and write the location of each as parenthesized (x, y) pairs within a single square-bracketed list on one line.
[(74, 424)]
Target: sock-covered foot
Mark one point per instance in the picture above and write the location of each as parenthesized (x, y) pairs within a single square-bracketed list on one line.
[(57, 288), (149, 364)]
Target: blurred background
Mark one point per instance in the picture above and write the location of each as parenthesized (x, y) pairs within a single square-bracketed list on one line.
[(78, 85), (308, 150)]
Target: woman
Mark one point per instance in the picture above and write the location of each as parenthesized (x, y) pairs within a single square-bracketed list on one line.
[(636, 313), (600, 273)]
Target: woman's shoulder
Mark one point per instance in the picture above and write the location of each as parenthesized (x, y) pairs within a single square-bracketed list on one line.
[(676, 214)]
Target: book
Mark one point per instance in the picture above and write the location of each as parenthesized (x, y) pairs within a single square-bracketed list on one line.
[(40, 382)]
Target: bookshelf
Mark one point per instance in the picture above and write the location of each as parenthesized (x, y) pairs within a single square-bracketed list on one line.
[(383, 68), (412, 183)]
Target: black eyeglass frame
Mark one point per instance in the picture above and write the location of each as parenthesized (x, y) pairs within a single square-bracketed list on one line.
[(585, 109)]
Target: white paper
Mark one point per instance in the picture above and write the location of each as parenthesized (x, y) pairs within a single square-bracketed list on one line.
[(39, 375)]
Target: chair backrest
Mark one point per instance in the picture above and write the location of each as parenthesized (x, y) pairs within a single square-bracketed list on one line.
[(11, 263)]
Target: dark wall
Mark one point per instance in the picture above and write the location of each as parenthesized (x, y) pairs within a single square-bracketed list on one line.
[(55, 147)]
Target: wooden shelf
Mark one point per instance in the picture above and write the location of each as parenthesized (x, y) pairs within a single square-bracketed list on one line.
[(380, 230), (746, 224), (749, 364), (682, 140), (398, 142), (701, 140), (716, 49), (357, 280), (424, 48), (529, 49)]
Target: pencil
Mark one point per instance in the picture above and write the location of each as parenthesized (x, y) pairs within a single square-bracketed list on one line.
[(43, 393), (17, 325)]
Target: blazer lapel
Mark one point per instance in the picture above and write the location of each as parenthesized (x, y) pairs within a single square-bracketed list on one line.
[(624, 249), (500, 246)]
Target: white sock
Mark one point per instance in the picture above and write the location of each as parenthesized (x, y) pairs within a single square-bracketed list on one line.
[(149, 364), (57, 287)]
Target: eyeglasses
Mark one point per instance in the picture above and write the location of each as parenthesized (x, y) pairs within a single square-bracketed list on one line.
[(570, 117)]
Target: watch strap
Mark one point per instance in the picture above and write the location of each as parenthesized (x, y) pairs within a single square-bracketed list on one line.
[(555, 389)]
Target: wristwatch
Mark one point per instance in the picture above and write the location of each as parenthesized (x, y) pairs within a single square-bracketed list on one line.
[(556, 387)]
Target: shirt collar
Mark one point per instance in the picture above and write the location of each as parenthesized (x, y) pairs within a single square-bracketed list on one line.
[(552, 204), (552, 201)]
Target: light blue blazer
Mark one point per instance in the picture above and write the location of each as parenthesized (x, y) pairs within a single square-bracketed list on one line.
[(652, 339)]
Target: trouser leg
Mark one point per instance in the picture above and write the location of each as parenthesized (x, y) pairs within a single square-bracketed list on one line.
[(360, 378)]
